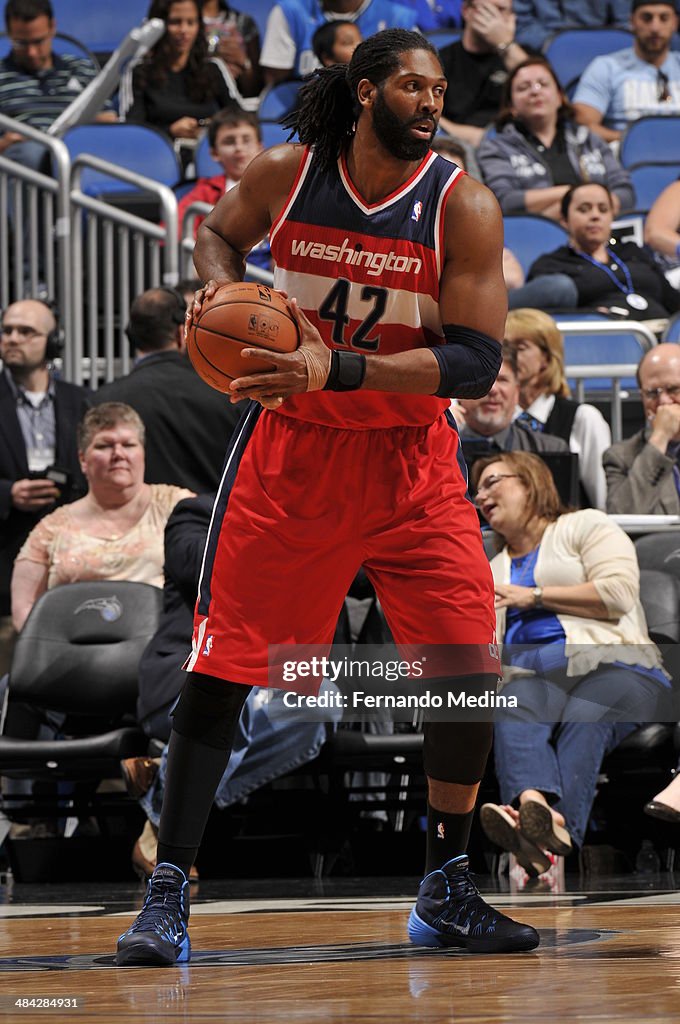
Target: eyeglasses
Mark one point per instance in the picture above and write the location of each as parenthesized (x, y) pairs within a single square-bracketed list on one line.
[(491, 481), (654, 394), (26, 44), (25, 333), (663, 93)]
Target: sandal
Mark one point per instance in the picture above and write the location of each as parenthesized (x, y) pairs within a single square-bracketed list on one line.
[(502, 830), (539, 826)]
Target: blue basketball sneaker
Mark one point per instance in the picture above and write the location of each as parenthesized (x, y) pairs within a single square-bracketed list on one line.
[(450, 912), (159, 935)]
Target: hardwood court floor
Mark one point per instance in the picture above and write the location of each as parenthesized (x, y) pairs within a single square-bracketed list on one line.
[(324, 953)]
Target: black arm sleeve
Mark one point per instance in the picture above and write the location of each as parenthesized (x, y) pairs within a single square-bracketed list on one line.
[(468, 363)]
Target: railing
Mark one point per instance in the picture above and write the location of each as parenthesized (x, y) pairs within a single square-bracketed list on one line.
[(114, 256), (616, 372), (35, 237), (191, 214)]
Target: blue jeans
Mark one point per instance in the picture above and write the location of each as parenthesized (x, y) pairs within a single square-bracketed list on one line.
[(557, 738), (550, 291)]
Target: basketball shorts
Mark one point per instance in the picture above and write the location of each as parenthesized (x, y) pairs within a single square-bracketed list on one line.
[(301, 506)]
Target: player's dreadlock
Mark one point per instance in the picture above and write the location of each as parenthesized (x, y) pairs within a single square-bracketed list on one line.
[(327, 104)]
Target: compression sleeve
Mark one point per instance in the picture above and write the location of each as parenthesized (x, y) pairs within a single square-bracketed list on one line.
[(468, 363)]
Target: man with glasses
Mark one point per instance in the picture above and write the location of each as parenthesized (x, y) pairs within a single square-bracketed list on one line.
[(39, 415), (620, 87), (36, 85), (643, 472)]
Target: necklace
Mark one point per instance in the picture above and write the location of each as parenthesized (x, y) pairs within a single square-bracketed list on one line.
[(634, 300)]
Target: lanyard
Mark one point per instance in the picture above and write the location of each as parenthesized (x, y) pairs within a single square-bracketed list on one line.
[(628, 290)]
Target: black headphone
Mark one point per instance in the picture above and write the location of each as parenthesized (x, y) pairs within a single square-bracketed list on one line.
[(177, 313), (54, 345)]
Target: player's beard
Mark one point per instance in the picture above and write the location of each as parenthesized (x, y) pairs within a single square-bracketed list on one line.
[(394, 134)]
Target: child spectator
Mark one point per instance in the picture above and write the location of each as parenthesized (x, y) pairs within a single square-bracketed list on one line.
[(334, 42), (235, 138)]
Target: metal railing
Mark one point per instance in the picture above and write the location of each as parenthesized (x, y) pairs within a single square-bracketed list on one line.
[(115, 255), (644, 334), (187, 242), (615, 372), (35, 232)]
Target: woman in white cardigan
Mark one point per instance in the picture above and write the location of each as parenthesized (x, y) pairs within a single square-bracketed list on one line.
[(580, 661)]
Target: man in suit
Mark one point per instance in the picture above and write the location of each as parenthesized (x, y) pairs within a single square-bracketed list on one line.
[(39, 415), (643, 472), (188, 423)]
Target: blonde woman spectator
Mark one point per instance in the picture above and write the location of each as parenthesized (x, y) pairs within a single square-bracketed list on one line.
[(545, 397)]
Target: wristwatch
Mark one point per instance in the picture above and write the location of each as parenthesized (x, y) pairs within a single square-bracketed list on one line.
[(538, 596), (502, 48)]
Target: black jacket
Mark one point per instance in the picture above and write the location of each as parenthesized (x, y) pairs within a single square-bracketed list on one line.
[(188, 423), (71, 403)]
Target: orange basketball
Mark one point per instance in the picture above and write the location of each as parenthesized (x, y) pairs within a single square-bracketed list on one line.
[(241, 315)]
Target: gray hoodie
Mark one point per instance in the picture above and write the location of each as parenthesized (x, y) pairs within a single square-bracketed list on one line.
[(510, 165)]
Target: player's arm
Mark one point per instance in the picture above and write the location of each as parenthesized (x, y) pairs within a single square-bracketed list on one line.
[(242, 218), (473, 307)]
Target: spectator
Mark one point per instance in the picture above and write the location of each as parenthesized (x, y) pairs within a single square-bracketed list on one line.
[(177, 87), (39, 415), (624, 283), (617, 88), (234, 38), (486, 424), (334, 42), (235, 138), (36, 85), (544, 396), (553, 291), (115, 531), (577, 656), (539, 152), (432, 15), (538, 20), (662, 231), (476, 66), (643, 475), (188, 424), (287, 48), (270, 740)]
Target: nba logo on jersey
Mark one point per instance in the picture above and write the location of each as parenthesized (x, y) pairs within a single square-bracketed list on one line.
[(417, 210), (208, 646)]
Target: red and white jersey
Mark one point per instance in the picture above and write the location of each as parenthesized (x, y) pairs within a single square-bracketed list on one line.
[(367, 276)]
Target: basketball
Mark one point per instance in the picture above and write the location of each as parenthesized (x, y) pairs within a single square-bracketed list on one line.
[(238, 316)]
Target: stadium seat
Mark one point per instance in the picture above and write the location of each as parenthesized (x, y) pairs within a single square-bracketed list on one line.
[(102, 27), (659, 136), (278, 100), (135, 147), (660, 552), (259, 10), (672, 332), (273, 133), (61, 44), (206, 167), (530, 236), (443, 37), (571, 50), (597, 340), (649, 180), (78, 655)]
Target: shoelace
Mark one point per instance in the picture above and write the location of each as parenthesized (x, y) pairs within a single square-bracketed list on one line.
[(469, 904), (162, 905)]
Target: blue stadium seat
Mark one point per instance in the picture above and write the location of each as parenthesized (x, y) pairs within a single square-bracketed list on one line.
[(443, 37), (571, 50), (649, 181), (530, 236), (620, 346), (655, 136), (62, 43), (672, 332), (278, 100), (135, 147), (259, 10), (206, 167), (101, 26), (273, 134)]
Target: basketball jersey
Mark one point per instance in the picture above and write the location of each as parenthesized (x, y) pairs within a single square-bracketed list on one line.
[(367, 276)]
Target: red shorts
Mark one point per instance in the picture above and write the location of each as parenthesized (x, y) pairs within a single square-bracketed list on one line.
[(302, 506)]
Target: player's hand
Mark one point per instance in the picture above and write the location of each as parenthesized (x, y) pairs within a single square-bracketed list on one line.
[(305, 369), (509, 595), (31, 495)]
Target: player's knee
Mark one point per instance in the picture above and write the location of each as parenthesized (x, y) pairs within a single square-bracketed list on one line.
[(456, 751), (208, 710)]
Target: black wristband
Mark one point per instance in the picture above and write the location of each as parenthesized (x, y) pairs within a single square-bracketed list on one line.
[(347, 371)]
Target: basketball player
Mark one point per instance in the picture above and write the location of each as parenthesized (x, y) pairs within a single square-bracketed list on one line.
[(392, 257)]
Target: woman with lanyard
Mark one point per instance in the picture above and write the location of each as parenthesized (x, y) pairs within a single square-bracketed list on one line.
[(624, 281)]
